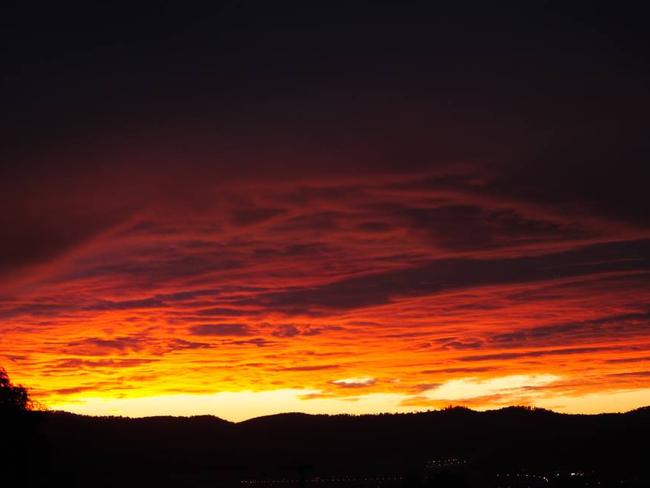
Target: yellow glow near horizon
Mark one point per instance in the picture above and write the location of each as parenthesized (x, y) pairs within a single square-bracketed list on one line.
[(243, 405), (236, 406)]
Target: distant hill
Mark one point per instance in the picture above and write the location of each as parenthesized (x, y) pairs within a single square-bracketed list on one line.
[(200, 451)]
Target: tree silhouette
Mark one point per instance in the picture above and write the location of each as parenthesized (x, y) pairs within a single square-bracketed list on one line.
[(23, 454), (13, 398)]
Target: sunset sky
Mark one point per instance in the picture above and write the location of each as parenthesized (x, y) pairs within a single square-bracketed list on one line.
[(261, 207)]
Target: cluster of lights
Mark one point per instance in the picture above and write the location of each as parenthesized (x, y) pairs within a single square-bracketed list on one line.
[(540, 477), (443, 462)]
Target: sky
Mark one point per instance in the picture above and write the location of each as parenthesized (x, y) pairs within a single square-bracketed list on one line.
[(248, 208)]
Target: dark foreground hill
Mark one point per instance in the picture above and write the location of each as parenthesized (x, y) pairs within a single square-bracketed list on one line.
[(452, 447)]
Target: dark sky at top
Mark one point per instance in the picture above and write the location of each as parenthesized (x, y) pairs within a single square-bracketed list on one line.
[(550, 96), (556, 71)]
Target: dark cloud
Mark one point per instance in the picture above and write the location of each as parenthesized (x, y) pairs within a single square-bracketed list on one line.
[(35, 309), (290, 330), (257, 341), (451, 274), (182, 344), (77, 363), (456, 227), (143, 303), (73, 390), (632, 374), (186, 295), (123, 345), (424, 387), (320, 367), (460, 345), (373, 227), (221, 312), (539, 353), (36, 239), (642, 359), (249, 216), (458, 370), (117, 343), (322, 221), (221, 330), (286, 331), (618, 325), (14, 358), (160, 266)]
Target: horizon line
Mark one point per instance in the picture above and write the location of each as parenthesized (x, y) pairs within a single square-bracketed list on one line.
[(415, 412)]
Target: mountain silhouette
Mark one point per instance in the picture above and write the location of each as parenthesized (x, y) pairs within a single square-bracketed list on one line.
[(514, 446)]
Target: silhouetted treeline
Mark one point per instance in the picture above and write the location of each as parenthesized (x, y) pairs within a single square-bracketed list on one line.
[(24, 460), (496, 448)]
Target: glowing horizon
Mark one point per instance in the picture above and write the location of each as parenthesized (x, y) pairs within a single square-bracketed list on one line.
[(241, 406)]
